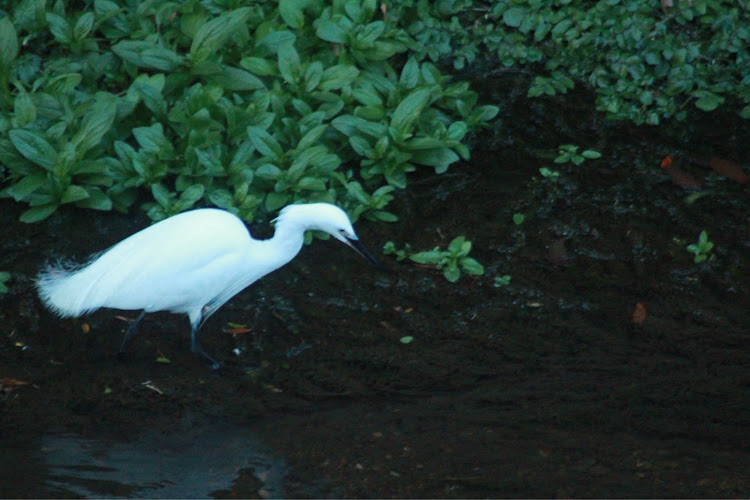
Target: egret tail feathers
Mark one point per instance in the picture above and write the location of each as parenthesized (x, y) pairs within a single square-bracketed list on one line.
[(66, 289)]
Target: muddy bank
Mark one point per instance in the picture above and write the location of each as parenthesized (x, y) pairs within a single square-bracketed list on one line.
[(546, 387)]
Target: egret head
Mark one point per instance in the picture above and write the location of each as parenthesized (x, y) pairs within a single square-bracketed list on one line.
[(327, 218)]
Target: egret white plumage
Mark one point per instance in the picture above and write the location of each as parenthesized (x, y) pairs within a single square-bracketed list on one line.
[(190, 263)]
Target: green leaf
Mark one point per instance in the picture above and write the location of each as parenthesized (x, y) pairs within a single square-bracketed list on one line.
[(338, 76), (429, 257), (707, 101), (408, 339), (471, 266), (265, 143), (237, 79), (451, 273), (275, 39), (83, 26), (192, 195), (456, 245), (34, 148), (23, 188), (151, 139), (514, 16), (313, 75), (331, 32), (213, 34), (73, 194), (590, 154), (410, 74), (8, 42), (312, 184), (360, 145), (410, 109), (24, 110), (38, 213), (311, 137), (152, 98), (221, 198), (268, 172), (485, 113), (289, 64), (291, 12), (59, 28), (96, 122), (97, 200), (259, 66), (161, 58), (274, 201), (439, 158), (161, 194)]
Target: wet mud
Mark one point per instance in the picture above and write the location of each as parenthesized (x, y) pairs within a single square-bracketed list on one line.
[(546, 387)]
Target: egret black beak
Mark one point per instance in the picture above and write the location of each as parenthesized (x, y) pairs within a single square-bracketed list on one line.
[(360, 249)]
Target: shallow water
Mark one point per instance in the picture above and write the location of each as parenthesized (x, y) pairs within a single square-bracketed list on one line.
[(194, 463)]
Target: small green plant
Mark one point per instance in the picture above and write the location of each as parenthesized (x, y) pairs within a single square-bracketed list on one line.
[(518, 218), (501, 281), (569, 153), (4, 277), (390, 249), (701, 249), (549, 174), (452, 262)]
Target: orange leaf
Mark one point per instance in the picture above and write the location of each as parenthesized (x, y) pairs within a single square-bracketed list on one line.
[(639, 313), (12, 382), (237, 331), (667, 161), (728, 169)]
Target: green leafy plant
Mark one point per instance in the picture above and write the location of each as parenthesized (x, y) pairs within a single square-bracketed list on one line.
[(701, 249), (569, 153), (643, 65), (453, 262), (4, 277), (501, 281), (390, 249), (245, 107), (549, 174)]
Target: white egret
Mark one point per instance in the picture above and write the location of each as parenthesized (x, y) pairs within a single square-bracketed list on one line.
[(190, 263)]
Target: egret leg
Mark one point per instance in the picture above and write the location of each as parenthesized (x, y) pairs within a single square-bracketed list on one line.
[(195, 346), (132, 331)]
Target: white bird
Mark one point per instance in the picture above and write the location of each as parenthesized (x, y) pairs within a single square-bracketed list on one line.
[(190, 263)]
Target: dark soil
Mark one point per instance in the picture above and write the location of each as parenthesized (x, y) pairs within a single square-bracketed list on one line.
[(543, 388)]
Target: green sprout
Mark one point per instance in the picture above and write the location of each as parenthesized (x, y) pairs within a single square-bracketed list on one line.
[(4, 276), (390, 249), (550, 174), (501, 281), (569, 153), (701, 249), (452, 262)]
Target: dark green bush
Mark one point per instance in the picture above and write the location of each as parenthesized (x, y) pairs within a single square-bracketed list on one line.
[(243, 105), (645, 63)]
